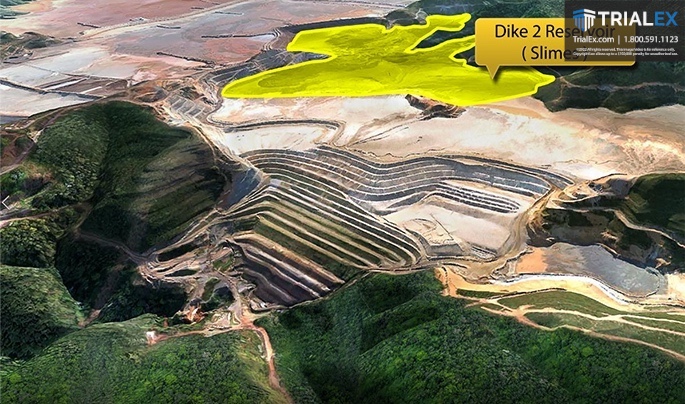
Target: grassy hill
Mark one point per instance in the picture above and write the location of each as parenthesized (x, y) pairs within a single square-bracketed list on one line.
[(114, 172), (113, 363), (396, 339), (658, 200), (111, 172), (36, 309), (145, 180)]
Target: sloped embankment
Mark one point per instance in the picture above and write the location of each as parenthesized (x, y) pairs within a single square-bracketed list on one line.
[(114, 182), (640, 220), (395, 339)]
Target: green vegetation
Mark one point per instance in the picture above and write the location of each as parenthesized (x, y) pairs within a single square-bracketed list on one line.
[(153, 179), (100, 278), (29, 242), (485, 8), (215, 295), (477, 294), (209, 288), (34, 300), (158, 180), (85, 268), (121, 175), (13, 145), (22, 182), (561, 300), (136, 139), (112, 363), (36, 309), (605, 324), (666, 325), (145, 180), (32, 242), (73, 148), (657, 200), (395, 339), (660, 72), (666, 340), (133, 297), (477, 9), (224, 265)]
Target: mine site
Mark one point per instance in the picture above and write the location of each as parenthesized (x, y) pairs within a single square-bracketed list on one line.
[(518, 209)]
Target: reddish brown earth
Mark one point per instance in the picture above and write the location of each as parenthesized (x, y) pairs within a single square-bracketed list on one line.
[(60, 17)]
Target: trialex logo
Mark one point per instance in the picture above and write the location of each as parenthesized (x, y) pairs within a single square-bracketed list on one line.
[(585, 18)]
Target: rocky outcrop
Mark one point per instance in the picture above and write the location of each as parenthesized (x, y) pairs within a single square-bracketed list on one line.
[(630, 217), (434, 109)]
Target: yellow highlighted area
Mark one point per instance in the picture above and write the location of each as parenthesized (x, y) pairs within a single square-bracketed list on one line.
[(370, 60)]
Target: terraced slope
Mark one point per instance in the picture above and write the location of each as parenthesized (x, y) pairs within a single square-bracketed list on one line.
[(385, 187), (294, 217), (318, 218)]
